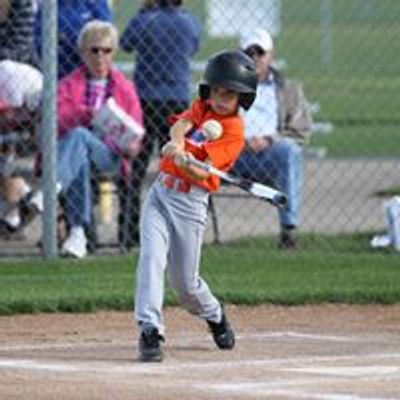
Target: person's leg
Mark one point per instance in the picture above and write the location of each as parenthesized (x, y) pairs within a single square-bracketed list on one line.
[(15, 187), (286, 158), (149, 294), (152, 263), (76, 150), (256, 167), (12, 189), (189, 219), (281, 167), (188, 213)]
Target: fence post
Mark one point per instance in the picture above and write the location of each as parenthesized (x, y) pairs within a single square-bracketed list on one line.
[(326, 32), (48, 131)]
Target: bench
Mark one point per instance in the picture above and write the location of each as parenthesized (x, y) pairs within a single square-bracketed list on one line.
[(227, 191)]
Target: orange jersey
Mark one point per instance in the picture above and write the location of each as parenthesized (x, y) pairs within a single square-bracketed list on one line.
[(222, 153)]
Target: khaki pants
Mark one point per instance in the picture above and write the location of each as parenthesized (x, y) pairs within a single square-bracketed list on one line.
[(12, 189)]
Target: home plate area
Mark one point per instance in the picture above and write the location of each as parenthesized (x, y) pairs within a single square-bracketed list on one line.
[(311, 352)]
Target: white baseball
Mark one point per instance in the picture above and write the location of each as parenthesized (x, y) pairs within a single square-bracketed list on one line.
[(212, 129)]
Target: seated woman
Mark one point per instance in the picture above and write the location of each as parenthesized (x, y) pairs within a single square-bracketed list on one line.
[(81, 95)]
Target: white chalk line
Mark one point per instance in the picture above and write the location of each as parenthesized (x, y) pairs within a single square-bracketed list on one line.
[(175, 365), (298, 392), (295, 387), (281, 387), (309, 365), (187, 340), (301, 365), (31, 364), (350, 371)]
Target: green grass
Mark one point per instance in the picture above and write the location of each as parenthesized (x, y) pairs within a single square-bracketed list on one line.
[(358, 88), (360, 141), (328, 269), (389, 192)]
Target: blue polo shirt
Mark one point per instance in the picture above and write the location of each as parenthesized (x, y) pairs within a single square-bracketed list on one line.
[(72, 16), (164, 40)]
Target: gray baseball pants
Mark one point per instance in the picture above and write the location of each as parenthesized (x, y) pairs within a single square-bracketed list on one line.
[(171, 228)]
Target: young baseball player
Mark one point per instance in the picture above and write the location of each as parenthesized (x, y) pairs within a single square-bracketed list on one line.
[(175, 211)]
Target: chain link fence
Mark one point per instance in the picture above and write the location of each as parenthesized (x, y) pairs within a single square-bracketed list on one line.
[(343, 52)]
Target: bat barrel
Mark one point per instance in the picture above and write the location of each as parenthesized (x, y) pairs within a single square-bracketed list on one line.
[(273, 196)]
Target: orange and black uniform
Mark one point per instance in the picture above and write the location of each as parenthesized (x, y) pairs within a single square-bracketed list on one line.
[(173, 222), (222, 153)]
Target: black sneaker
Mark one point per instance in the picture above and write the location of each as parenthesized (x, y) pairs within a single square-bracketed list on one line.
[(287, 241), (149, 346), (29, 207), (222, 333), (6, 228), (10, 232)]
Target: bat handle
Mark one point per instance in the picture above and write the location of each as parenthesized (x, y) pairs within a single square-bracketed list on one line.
[(193, 161), (279, 200)]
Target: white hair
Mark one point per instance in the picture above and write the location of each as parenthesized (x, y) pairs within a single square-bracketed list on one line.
[(98, 29)]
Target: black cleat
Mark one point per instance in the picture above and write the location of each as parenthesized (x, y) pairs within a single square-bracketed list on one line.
[(149, 346), (222, 333)]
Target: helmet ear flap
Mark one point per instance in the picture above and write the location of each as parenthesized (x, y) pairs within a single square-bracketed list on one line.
[(204, 91), (246, 100)]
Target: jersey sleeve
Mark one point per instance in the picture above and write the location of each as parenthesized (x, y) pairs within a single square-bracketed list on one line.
[(195, 114)]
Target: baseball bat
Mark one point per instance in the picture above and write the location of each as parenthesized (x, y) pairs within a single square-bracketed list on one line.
[(264, 192)]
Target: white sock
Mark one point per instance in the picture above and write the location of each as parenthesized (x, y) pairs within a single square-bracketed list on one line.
[(13, 219), (77, 230), (38, 200)]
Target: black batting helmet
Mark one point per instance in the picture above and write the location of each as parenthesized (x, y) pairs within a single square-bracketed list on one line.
[(234, 70)]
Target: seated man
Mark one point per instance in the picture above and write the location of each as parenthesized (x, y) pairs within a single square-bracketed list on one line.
[(81, 97), (275, 126)]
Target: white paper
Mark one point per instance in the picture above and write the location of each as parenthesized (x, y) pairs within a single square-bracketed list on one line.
[(112, 120)]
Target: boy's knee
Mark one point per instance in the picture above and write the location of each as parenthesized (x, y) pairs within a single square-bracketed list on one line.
[(185, 290)]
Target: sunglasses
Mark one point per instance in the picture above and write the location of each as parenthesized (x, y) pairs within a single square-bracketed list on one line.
[(104, 50), (255, 51)]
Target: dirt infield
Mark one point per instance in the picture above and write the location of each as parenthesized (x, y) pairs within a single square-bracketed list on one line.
[(314, 352)]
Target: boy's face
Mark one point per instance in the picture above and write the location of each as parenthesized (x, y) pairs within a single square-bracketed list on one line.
[(223, 101)]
